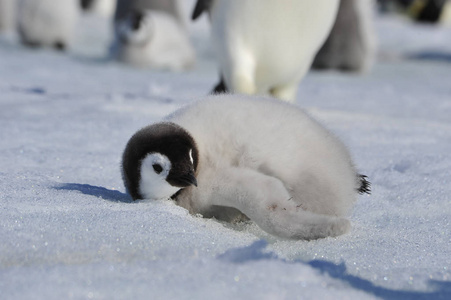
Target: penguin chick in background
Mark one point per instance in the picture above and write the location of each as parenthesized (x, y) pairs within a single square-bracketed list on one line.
[(266, 47), (222, 157), (47, 22), (171, 7), (103, 8), (351, 45), (7, 15), (153, 39)]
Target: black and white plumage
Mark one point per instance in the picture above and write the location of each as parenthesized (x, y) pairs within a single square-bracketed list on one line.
[(170, 7), (292, 177), (266, 47), (152, 34), (47, 22), (158, 161), (153, 39), (104, 8)]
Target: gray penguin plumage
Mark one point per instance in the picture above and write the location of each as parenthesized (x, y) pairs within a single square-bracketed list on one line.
[(351, 45), (170, 7), (7, 14), (47, 22), (293, 178), (153, 39), (152, 34), (105, 8)]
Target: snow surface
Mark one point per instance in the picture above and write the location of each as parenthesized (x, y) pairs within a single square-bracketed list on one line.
[(68, 231)]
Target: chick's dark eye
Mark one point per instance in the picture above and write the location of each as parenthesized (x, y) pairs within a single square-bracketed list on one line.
[(137, 19), (157, 168)]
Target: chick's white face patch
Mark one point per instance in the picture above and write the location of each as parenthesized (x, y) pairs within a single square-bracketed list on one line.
[(136, 36), (155, 168)]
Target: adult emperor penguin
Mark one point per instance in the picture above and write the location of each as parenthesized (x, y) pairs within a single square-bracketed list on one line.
[(266, 46), (154, 39), (351, 44), (222, 158), (47, 22)]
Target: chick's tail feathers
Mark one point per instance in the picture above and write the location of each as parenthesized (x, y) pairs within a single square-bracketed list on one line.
[(364, 184)]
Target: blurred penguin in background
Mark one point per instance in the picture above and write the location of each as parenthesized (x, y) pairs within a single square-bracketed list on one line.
[(105, 8), (7, 15), (171, 7), (351, 44), (428, 11), (266, 47), (152, 34), (422, 11), (47, 22), (445, 16)]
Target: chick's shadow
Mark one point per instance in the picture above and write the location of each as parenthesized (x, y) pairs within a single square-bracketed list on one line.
[(96, 191), (258, 251)]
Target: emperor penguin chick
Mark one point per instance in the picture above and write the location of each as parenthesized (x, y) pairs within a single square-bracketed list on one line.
[(7, 14), (47, 22), (171, 7), (153, 39), (223, 157), (266, 47), (103, 8)]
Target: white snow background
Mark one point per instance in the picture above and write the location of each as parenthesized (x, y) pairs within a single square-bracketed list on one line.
[(68, 231)]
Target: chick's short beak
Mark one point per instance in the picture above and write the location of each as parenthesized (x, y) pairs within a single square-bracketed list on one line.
[(189, 179), (183, 180)]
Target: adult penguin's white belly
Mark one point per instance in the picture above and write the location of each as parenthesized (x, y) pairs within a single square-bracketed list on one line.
[(268, 46)]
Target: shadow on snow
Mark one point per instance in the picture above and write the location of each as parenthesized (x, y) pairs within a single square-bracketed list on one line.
[(257, 251), (431, 56), (96, 191), (442, 289)]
